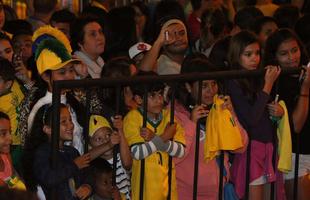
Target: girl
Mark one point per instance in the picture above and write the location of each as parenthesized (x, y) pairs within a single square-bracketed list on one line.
[(189, 119), (285, 49), (8, 176), (66, 178), (250, 99)]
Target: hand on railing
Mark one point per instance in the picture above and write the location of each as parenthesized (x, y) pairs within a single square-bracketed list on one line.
[(169, 132), (199, 112), (147, 134)]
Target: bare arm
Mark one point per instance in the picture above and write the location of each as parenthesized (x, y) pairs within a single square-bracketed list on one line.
[(95, 152), (149, 61)]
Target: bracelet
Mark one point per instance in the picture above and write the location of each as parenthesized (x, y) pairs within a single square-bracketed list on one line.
[(304, 95)]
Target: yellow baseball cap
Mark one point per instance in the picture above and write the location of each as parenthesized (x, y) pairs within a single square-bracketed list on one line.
[(51, 54), (96, 122)]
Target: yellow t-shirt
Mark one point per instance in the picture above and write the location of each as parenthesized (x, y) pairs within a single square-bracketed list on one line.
[(156, 164), (9, 105)]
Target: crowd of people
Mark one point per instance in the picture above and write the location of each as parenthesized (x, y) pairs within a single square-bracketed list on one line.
[(258, 124)]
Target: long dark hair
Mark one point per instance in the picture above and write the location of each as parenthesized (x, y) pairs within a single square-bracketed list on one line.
[(275, 40), (237, 45), (36, 138)]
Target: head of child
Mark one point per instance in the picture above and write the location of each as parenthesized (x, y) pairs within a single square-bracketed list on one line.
[(22, 42), (198, 63), (6, 48), (7, 76), (284, 48), (66, 125), (102, 175), (100, 132), (155, 95), (264, 27), (53, 56), (244, 51), (120, 67), (5, 133)]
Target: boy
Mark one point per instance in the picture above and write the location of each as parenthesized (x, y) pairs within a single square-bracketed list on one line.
[(8, 176), (101, 134), (153, 144), (101, 172), (9, 101)]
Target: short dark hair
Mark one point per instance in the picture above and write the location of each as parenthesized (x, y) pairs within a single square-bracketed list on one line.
[(7, 72), (100, 166), (245, 17), (4, 116), (44, 6), (77, 32), (63, 16), (138, 89)]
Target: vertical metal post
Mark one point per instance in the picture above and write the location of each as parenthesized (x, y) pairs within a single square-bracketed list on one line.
[(142, 167), (116, 147), (197, 145), (55, 130), (295, 191), (86, 125), (170, 157)]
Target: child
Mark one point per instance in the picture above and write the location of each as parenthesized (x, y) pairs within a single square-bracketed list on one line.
[(102, 175), (66, 178), (8, 176), (153, 144), (101, 133), (10, 99), (191, 116), (250, 99), (284, 48)]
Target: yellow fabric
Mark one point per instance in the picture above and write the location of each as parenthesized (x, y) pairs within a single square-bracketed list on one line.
[(96, 122), (156, 165), (16, 183), (222, 131), (9, 105), (54, 32), (48, 60), (284, 142)]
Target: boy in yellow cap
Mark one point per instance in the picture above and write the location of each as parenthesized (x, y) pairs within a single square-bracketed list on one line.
[(101, 133)]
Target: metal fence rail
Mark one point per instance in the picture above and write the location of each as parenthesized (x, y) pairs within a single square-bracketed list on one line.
[(172, 79)]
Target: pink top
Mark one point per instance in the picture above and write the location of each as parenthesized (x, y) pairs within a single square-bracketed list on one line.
[(208, 173), (7, 172)]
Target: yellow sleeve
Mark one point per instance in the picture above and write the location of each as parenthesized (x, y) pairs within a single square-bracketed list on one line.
[(132, 126)]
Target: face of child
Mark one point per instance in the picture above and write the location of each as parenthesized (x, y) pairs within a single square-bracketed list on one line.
[(6, 50), (23, 43), (3, 86), (288, 54), (63, 27), (101, 136), (66, 125), (65, 73), (103, 186), (94, 40), (155, 103), (5, 136), (250, 57), (267, 29), (209, 90)]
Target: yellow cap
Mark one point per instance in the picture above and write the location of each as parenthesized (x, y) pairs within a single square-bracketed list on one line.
[(48, 60), (96, 122)]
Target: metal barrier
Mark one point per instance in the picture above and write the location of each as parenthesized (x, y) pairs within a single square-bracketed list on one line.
[(172, 79)]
